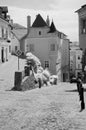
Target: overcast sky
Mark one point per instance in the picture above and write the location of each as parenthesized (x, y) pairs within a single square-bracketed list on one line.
[(61, 11)]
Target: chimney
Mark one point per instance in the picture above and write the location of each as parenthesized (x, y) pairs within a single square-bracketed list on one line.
[(48, 21), (28, 22)]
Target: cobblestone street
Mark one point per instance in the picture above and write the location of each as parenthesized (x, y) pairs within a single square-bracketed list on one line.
[(48, 108)]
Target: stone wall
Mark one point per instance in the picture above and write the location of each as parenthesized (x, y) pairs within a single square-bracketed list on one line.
[(28, 83)]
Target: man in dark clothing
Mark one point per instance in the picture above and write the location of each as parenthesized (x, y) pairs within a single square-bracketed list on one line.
[(78, 83), (82, 97), (81, 93)]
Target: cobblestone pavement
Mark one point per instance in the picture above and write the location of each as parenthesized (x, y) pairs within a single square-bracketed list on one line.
[(49, 108)]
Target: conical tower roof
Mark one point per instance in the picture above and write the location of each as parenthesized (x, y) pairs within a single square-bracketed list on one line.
[(39, 22), (52, 28)]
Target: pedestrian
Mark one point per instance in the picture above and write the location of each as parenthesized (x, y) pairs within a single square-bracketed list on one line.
[(81, 93), (40, 82)]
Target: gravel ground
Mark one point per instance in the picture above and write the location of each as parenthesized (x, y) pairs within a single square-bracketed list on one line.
[(49, 108)]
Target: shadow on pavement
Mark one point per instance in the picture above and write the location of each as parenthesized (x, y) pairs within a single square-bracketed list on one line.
[(74, 90)]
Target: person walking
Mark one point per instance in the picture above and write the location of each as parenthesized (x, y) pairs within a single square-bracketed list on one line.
[(81, 93)]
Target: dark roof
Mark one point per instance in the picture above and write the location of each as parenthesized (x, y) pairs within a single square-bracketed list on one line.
[(81, 9), (4, 9), (52, 28), (18, 30), (39, 22), (19, 33)]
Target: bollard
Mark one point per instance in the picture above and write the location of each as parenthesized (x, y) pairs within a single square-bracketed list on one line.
[(17, 78)]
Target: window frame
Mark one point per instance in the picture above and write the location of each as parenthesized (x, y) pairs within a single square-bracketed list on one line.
[(31, 48), (39, 32), (52, 47), (83, 26), (46, 64), (16, 48)]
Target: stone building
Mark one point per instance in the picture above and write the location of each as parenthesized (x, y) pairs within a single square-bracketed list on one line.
[(75, 59)]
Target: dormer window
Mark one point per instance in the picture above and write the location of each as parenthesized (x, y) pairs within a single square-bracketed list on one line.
[(39, 32)]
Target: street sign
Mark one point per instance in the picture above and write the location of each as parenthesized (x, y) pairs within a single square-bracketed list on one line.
[(18, 52)]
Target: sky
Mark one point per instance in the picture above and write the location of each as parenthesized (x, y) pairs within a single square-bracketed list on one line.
[(61, 11)]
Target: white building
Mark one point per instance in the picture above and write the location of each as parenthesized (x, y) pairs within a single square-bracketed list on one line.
[(75, 59), (17, 32), (5, 35), (44, 41)]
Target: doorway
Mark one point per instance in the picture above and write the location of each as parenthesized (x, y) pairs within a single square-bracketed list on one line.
[(2, 54)]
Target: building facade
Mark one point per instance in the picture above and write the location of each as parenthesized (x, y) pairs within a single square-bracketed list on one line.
[(65, 59), (75, 59), (5, 35), (82, 26), (44, 41)]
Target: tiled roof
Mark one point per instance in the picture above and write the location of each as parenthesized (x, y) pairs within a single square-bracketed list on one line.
[(18, 26), (19, 31), (39, 22)]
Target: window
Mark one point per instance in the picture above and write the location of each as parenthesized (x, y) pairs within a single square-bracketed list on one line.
[(52, 47), (83, 26), (59, 34), (2, 32), (46, 64), (31, 47), (39, 32), (78, 57), (78, 66), (27, 47), (16, 48), (9, 48), (6, 33)]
